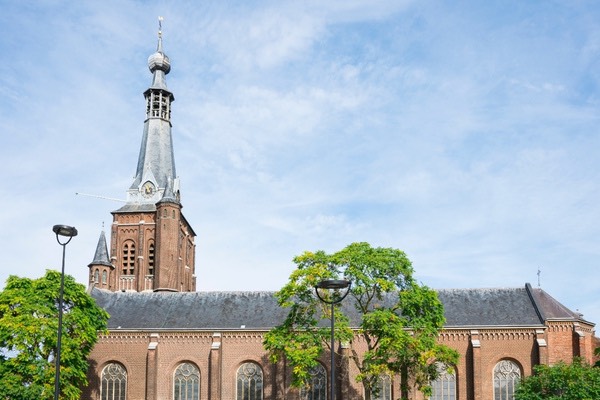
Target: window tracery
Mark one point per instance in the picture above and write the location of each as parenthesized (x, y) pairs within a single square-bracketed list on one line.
[(317, 387), (186, 382), (383, 389), (444, 387), (113, 382), (249, 382), (507, 375)]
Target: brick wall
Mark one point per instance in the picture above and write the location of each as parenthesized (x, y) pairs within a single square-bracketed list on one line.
[(151, 358)]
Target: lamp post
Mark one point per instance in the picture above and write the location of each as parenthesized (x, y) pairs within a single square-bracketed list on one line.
[(68, 232), (334, 286)]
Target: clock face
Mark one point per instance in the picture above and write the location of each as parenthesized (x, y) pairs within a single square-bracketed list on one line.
[(148, 189)]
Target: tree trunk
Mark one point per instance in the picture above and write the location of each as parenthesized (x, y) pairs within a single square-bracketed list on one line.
[(404, 383)]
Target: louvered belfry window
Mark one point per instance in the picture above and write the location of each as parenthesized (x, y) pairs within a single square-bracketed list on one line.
[(128, 258)]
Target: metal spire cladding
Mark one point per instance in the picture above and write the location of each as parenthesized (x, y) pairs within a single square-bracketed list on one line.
[(156, 162)]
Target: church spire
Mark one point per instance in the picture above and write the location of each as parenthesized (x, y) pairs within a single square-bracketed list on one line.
[(152, 244), (156, 162)]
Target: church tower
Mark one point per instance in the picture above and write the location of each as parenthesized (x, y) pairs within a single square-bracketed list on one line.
[(152, 244)]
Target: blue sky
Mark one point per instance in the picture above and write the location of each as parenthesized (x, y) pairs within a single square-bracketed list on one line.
[(464, 133)]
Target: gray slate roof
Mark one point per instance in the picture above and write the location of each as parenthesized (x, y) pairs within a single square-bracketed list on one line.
[(482, 307), (506, 307), (136, 207), (101, 255), (190, 310)]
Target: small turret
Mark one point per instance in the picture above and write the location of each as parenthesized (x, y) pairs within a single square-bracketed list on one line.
[(101, 268)]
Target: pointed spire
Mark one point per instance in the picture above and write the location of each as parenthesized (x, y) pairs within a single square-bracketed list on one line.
[(156, 162), (101, 257), (169, 196)]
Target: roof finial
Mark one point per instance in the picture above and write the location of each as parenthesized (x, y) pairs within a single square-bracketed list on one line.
[(160, 19), (539, 273)]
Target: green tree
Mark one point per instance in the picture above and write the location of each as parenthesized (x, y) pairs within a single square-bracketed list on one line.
[(576, 381), (28, 337), (398, 319)]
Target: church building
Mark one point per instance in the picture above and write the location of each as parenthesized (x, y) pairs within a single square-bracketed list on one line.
[(168, 342)]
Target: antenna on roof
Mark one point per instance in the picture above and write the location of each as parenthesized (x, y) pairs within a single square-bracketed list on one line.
[(539, 274)]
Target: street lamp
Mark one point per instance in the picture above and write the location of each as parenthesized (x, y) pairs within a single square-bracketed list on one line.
[(338, 290), (68, 232)]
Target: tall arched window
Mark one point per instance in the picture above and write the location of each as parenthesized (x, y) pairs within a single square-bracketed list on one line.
[(113, 382), (151, 259), (104, 277), (186, 382), (383, 388), (249, 382), (97, 275), (507, 375), (128, 258), (317, 387), (444, 387)]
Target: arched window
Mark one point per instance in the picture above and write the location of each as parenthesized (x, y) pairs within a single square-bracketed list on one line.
[(444, 387), (249, 382), (104, 278), (96, 276), (383, 388), (128, 258), (151, 259), (113, 382), (186, 382), (317, 387), (507, 375)]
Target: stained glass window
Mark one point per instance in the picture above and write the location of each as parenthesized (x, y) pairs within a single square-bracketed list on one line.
[(444, 387), (186, 382), (507, 375), (317, 388), (383, 389), (249, 382), (114, 382)]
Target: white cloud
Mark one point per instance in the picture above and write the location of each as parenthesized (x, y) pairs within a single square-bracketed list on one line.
[(465, 136)]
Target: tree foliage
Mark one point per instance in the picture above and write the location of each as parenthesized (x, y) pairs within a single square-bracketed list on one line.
[(28, 336), (398, 318), (576, 381)]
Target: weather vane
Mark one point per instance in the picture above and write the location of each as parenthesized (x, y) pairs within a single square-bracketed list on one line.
[(539, 273), (160, 19)]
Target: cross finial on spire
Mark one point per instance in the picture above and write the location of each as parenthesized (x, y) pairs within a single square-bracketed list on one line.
[(159, 48), (539, 273)]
